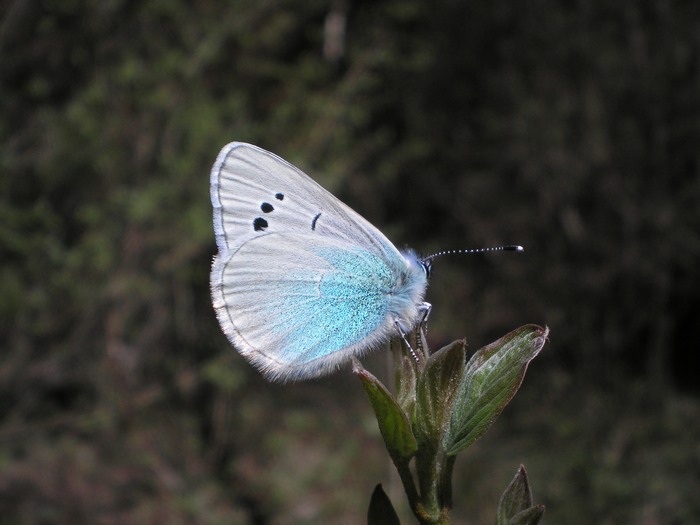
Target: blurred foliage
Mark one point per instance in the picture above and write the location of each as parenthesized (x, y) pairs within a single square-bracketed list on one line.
[(571, 129)]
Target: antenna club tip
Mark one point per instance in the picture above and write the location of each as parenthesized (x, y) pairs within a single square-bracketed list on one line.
[(516, 248)]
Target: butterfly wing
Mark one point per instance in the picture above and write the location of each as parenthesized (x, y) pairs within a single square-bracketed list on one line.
[(301, 282), (255, 192), (298, 305)]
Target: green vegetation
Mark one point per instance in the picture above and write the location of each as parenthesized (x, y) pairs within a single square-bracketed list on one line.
[(572, 130), (443, 404)]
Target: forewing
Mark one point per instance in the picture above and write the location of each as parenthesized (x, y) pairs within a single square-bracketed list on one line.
[(299, 305), (255, 192)]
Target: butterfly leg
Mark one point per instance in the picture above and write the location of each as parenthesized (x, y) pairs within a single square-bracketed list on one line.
[(424, 310), (405, 340), (422, 326)]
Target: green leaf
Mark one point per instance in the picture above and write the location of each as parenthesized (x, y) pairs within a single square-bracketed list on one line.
[(405, 381), (393, 422), (516, 498), (381, 511), (529, 516), (492, 377), (436, 391)]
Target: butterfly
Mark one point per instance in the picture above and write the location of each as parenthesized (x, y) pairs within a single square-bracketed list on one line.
[(302, 283)]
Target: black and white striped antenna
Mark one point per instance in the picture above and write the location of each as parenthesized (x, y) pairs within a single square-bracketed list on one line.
[(507, 248)]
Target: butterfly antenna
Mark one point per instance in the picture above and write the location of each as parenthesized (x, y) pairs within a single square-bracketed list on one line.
[(508, 248)]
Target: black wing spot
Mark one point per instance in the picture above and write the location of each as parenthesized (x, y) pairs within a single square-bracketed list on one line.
[(313, 222), (279, 196), (259, 224), (266, 207)]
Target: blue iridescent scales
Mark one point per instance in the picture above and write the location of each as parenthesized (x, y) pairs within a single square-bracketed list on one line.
[(302, 282)]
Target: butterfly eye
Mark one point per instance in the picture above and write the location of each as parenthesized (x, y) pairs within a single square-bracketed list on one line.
[(427, 268)]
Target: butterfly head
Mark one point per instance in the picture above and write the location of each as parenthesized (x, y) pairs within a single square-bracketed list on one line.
[(427, 266)]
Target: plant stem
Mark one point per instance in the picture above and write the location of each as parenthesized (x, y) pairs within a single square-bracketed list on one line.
[(434, 469), (408, 484)]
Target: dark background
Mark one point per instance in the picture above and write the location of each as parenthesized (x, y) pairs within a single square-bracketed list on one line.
[(571, 128)]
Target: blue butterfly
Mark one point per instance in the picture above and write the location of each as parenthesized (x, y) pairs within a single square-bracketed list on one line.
[(302, 283)]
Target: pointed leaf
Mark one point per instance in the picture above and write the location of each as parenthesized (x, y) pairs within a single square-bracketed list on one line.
[(529, 516), (393, 422), (406, 383), (436, 391), (516, 498), (492, 377), (381, 511)]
